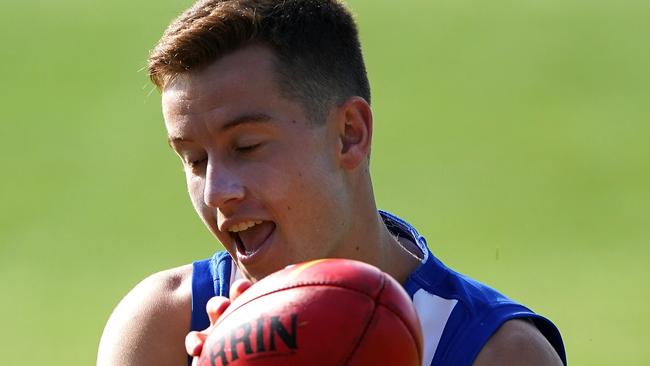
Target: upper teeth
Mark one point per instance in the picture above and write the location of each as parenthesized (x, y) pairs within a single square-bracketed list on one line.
[(243, 226)]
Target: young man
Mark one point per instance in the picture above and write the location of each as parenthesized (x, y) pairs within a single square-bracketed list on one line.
[(267, 105)]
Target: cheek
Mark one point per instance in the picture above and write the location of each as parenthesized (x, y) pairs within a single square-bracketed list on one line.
[(301, 191), (195, 190), (272, 183)]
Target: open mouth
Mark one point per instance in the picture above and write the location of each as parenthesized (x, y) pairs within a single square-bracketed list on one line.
[(251, 237)]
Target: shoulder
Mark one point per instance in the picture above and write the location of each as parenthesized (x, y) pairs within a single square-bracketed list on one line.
[(518, 342), (149, 325), (465, 318)]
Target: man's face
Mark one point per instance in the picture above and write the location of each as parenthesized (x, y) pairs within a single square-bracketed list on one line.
[(262, 177)]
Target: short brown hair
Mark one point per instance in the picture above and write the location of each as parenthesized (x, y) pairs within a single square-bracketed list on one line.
[(315, 41)]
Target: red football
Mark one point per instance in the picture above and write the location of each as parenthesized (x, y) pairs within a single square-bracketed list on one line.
[(326, 312)]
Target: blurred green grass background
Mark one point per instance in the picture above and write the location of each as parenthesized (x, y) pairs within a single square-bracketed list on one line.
[(513, 134)]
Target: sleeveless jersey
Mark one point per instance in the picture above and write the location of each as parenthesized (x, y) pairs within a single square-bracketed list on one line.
[(457, 314)]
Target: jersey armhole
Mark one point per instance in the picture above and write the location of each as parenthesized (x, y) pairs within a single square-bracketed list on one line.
[(210, 277), (476, 335)]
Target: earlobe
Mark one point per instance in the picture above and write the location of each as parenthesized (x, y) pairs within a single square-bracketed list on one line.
[(355, 131)]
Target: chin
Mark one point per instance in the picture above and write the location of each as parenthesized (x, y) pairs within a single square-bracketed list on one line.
[(256, 274)]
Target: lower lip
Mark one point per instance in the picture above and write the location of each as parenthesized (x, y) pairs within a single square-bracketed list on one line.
[(245, 259)]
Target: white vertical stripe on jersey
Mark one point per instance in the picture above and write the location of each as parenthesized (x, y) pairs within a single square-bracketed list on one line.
[(433, 311)]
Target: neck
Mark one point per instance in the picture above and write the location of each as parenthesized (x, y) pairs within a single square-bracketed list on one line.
[(373, 243), (398, 256)]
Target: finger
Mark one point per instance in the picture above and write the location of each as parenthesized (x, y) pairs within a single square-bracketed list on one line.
[(194, 343), (215, 307), (238, 287)]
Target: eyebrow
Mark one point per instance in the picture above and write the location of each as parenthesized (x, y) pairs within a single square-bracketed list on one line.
[(237, 121)]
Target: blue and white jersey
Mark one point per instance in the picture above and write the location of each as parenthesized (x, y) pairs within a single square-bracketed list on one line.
[(458, 314)]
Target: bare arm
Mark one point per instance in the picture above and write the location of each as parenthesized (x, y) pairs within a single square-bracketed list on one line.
[(518, 342), (149, 325)]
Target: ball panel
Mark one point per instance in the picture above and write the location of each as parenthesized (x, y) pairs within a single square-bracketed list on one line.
[(292, 327), (393, 299), (355, 275), (320, 313), (387, 341)]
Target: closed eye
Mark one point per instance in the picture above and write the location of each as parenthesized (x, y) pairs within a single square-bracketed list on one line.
[(247, 148)]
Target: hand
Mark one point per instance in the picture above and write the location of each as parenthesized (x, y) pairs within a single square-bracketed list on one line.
[(215, 307)]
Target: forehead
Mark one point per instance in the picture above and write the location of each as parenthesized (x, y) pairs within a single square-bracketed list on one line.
[(242, 79)]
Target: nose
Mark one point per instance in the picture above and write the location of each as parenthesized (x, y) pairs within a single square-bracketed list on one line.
[(222, 186)]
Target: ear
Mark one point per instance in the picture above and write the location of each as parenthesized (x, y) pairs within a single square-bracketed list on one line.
[(354, 124)]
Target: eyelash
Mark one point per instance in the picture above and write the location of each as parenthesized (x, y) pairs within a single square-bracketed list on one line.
[(193, 164), (247, 148)]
